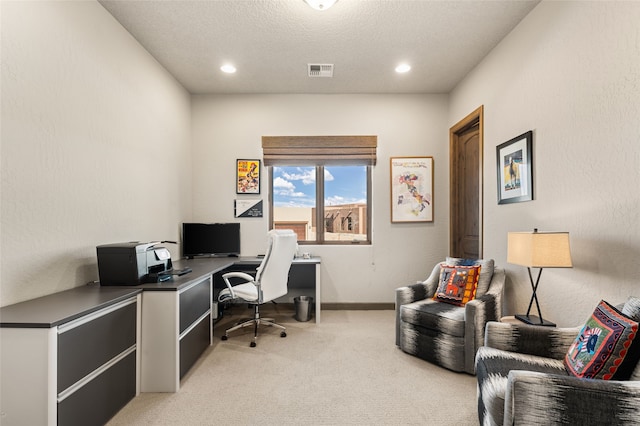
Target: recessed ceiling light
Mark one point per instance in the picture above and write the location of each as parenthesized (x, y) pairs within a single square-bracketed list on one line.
[(320, 4), (402, 68), (228, 68)]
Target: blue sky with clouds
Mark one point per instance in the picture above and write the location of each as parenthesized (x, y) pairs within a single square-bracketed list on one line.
[(296, 186)]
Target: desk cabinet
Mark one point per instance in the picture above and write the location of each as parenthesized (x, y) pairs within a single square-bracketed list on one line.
[(176, 325), (78, 371)]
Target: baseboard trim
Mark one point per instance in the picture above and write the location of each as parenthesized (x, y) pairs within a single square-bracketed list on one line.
[(358, 306), (337, 306)]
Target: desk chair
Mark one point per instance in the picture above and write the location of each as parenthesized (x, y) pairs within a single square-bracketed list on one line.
[(269, 283)]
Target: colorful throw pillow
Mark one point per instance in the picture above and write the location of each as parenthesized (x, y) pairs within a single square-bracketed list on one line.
[(606, 348), (486, 274), (457, 284)]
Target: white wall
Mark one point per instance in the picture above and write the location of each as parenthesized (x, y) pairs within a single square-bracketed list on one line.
[(226, 128), (571, 73), (96, 148), (95, 145)]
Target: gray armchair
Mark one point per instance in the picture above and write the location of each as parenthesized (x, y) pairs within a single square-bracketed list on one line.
[(442, 333), (522, 380)]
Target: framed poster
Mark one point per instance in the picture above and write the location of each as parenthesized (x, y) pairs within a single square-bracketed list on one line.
[(411, 189), (247, 176), (515, 169), (247, 208)]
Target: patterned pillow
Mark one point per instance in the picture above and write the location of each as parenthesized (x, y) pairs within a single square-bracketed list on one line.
[(485, 274), (457, 284), (606, 347)]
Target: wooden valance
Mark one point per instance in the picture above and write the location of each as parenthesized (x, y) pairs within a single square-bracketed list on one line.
[(319, 150)]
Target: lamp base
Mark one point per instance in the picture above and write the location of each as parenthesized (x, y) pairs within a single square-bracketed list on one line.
[(534, 320)]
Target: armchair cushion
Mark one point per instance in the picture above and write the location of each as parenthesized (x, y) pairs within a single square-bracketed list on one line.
[(457, 284), (431, 315), (492, 369), (606, 348)]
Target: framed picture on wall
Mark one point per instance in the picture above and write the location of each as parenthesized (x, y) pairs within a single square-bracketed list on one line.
[(411, 189), (247, 208), (515, 169), (247, 176)]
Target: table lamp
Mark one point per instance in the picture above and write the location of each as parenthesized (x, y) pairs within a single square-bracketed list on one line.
[(538, 250)]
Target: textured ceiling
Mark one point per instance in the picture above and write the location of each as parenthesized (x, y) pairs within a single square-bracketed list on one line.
[(272, 41)]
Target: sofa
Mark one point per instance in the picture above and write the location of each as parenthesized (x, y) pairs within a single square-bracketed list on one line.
[(442, 333), (523, 377)]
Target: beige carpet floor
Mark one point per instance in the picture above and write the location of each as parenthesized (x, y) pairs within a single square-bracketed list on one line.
[(344, 371)]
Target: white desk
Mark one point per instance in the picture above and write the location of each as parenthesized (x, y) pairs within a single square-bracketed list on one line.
[(176, 315), (304, 279)]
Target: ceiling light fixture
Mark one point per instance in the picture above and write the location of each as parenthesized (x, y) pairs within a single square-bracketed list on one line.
[(402, 68), (228, 68), (320, 4)]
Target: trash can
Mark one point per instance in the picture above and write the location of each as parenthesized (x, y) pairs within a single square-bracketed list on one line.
[(303, 305)]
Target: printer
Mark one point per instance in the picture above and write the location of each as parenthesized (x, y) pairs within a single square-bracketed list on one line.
[(133, 263)]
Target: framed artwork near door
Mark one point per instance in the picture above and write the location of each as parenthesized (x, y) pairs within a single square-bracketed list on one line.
[(411, 189), (515, 169)]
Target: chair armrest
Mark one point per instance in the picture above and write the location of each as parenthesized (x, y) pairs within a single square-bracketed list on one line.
[(413, 293), (478, 312), (226, 277), (533, 397), (548, 342), (242, 275), (418, 291)]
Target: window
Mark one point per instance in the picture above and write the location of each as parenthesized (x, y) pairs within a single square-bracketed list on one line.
[(321, 180), (334, 196)]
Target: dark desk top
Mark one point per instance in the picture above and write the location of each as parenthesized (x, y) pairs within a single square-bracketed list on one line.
[(203, 266), (200, 269), (58, 308)]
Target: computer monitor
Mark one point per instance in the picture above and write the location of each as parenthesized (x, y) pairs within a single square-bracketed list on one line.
[(210, 239)]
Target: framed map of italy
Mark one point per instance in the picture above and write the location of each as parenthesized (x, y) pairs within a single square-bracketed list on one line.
[(411, 189)]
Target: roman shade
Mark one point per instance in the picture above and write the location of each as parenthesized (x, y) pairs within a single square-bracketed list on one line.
[(319, 150)]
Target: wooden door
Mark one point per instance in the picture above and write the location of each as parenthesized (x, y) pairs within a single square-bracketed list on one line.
[(466, 187)]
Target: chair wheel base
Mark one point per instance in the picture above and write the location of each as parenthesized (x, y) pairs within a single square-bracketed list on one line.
[(252, 344), (283, 334), (224, 337)]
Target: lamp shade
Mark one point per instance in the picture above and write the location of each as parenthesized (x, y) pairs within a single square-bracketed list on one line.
[(539, 249)]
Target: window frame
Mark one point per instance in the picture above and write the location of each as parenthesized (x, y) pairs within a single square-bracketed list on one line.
[(320, 206)]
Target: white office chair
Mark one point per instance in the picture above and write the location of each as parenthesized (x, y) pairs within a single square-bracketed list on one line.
[(269, 283)]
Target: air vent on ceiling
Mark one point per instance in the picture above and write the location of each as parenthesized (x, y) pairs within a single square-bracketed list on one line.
[(320, 70)]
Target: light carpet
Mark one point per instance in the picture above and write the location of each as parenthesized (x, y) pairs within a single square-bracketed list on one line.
[(344, 371)]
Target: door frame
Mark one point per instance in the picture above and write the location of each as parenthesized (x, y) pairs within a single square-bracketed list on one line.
[(477, 116)]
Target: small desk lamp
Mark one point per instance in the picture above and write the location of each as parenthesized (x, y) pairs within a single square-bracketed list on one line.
[(538, 250)]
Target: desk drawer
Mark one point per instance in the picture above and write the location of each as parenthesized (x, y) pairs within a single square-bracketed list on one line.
[(86, 344), (194, 343), (100, 399), (194, 302)]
